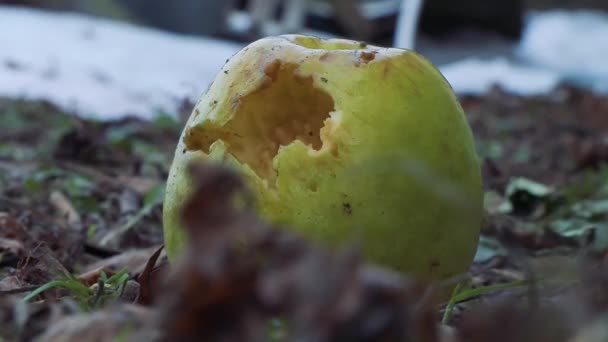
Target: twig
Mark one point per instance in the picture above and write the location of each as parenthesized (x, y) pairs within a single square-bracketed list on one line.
[(128, 225), (65, 208)]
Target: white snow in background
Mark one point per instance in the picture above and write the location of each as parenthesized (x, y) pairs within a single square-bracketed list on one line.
[(476, 76), (556, 46), (103, 68), (107, 69), (575, 44)]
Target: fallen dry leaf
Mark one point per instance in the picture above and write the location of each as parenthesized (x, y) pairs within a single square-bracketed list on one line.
[(133, 260), (118, 322), (65, 208), (239, 273)]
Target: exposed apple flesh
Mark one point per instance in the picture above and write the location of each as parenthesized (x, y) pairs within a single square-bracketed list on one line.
[(342, 141)]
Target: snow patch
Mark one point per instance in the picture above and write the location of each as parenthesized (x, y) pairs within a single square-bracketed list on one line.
[(572, 43), (556, 46), (102, 68), (106, 69), (475, 76)]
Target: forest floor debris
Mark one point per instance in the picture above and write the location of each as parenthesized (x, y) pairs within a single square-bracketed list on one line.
[(81, 237)]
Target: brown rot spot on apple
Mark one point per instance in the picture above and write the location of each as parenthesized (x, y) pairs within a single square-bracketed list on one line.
[(326, 57), (285, 108), (347, 208), (367, 57), (386, 70)]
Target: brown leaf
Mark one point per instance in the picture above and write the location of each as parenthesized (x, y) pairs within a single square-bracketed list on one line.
[(61, 243), (92, 277), (121, 322), (11, 250), (11, 245), (140, 185), (134, 261), (510, 322), (26, 321), (147, 281), (38, 264), (10, 283), (238, 273)]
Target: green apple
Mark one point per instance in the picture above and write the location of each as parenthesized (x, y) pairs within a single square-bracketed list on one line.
[(342, 141)]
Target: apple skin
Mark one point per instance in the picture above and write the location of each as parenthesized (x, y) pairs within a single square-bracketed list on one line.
[(342, 141)]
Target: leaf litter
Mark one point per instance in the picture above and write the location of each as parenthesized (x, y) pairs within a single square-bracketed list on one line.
[(81, 237)]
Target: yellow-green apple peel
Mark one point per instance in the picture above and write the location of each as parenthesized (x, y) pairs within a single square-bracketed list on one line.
[(342, 141)]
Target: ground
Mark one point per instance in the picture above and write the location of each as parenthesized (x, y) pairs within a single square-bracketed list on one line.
[(80, 223)]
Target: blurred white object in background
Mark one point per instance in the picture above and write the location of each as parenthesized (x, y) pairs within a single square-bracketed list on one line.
[(573, 43), (262, 16), (407, 24), (354, 17), (103, 68), (476, 76), (108, 69)]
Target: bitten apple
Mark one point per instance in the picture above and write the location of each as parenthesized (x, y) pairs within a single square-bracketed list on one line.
[(342, 141)]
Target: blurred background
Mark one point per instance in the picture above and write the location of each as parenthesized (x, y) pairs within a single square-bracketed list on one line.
[(94, 95), (81, 55)]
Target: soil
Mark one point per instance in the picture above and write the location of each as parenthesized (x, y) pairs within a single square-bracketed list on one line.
[(81, 204)]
